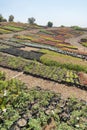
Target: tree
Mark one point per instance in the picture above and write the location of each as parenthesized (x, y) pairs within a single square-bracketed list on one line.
[(49, 24), (31, 20), (11, 18), (1, 18), (4, 20)]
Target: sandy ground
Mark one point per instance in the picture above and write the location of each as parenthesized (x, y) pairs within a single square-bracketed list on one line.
[(29, 49), (75, 42), (31, 81)]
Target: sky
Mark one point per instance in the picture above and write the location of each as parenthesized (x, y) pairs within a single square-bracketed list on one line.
[(60, 12)]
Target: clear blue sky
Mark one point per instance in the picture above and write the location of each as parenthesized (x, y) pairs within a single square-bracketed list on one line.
[(60, 12)]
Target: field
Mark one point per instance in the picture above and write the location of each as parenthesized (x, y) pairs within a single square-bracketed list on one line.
[(84, 42), (43, 78)]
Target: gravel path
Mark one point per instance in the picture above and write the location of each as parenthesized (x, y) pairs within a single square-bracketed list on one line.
[(31, 81), (75, 42)]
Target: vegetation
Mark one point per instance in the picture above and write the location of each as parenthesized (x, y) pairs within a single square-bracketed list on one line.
[(51, 58), (83, 42), (59, 74), (4, 31), (49, 24), (12, 28), (2, 19), (36, 108), (11, 18), (22, 108), (76, 27), (2, 75), (31, 20)]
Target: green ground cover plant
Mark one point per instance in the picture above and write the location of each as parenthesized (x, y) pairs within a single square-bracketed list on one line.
[(51, 58), (32, 67), (12, 28), (2, 31), (36, 108)]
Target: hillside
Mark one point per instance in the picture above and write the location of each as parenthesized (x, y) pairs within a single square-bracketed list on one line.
[(43, 77)]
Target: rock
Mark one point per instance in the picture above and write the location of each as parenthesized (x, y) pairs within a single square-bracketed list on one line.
[(22, 122)]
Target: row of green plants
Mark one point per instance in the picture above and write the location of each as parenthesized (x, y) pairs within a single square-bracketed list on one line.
[(22, 53), (15, 63), (2, 75), (12, 28), (54, 73), (69, 66), (4, 31), (48, 58), (2, 46), (46, 40), (49, 47), (51, 58), (36, 108), (10, 44), (83, 42), (58, 74)]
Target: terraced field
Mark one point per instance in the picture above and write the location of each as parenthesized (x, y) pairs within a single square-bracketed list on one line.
[(55, 70)]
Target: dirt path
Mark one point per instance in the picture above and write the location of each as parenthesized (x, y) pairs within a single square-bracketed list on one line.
[(6, 36), (31, 81), (75, 42)]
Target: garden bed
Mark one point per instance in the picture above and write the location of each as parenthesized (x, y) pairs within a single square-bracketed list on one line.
[(38, 108)]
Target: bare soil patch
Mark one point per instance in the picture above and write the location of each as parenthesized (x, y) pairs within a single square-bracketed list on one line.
[(31, 81), (29, 49), (76, 42)]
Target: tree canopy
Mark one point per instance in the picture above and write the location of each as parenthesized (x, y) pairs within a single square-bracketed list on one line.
[(49, 24), (11, 18), (2, 19), (31, 20)]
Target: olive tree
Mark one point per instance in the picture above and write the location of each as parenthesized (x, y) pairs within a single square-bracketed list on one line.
[(1, 18), (49, 24), (31, 20), (11, 18)]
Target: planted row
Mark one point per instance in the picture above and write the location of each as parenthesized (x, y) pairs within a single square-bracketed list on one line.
[(37, 109), (57, 74), (9, 43), (37, 69), (25, 54), (15, 63), (73, 53), (2, 75)]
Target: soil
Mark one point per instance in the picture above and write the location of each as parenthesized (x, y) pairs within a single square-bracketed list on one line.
[(30, 81), (75, 42), (29, 49)]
